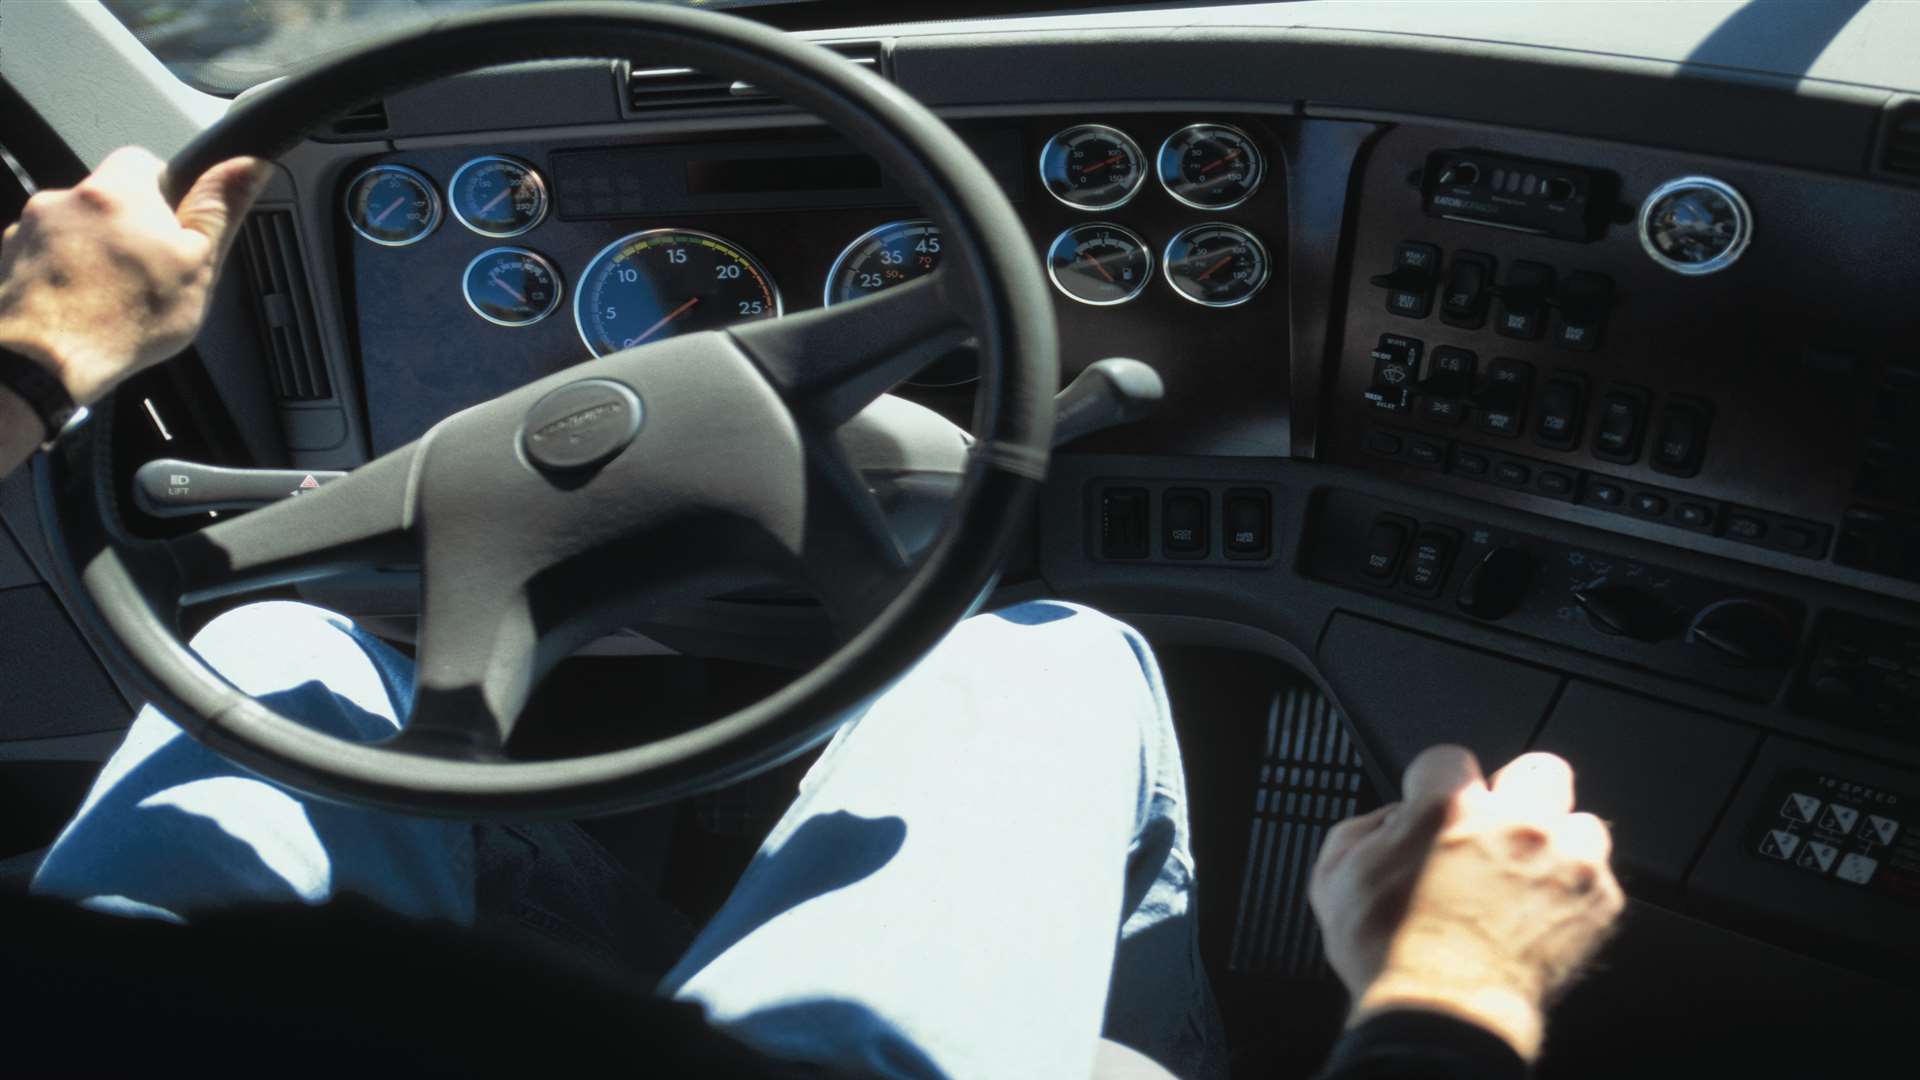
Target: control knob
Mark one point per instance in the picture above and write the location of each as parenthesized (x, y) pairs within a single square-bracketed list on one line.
[(1744, 632), (1497, 584), (1626, 611)]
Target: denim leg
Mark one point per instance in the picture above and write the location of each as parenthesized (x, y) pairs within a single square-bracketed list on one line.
[(968, 866), (172, 830)]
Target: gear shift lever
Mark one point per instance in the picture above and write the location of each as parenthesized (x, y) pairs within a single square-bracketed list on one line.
[(1105, 394)]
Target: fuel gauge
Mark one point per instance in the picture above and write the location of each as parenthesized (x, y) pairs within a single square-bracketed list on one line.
[(1100, 264), (392, 205), (498, 196)]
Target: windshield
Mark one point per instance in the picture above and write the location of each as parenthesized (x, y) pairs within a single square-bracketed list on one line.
[(225, 46)]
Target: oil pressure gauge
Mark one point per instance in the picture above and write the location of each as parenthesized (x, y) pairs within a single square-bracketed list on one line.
[(392, 205)]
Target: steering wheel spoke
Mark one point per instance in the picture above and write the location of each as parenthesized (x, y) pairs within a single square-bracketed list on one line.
[(832, 362), (359, 521), (480, 656)]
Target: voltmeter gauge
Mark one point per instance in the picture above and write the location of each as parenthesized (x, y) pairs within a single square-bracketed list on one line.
[(1211, 166), (393, 205), (893, 254), (1100, 264), (511, 286), (498, 196), (1215, 264), (1092, 167)]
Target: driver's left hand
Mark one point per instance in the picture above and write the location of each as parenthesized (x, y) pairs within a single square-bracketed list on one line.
[(104, 279)]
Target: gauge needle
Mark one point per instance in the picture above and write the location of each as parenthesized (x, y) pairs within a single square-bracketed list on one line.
[(391, 207), (1208, 272), (1095, 263), (516, 293), (667, 318), (1209, 168), (495, 201), (1101, 164)]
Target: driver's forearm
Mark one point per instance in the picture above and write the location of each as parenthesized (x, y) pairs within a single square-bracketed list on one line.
[(20, 431)]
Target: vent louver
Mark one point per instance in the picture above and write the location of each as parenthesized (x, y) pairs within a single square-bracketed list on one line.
[(1900, 146), (284, 302), (368, 119), (652, 88)]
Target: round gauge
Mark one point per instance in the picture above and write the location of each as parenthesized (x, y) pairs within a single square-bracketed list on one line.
[(1215, 264), (392, 205), (511, 286), (1099, 263), (1092, 167), (498, 196), (1211, 166), (893, 254), (662, 282), (1695, 225)]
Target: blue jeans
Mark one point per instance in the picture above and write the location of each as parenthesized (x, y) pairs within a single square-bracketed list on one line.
[(985, 870)]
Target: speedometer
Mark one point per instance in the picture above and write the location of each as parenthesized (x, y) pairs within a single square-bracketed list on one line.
[(893, 254), (656, 284)]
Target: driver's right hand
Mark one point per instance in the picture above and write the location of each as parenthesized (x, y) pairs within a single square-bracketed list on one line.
[(1480, 900)]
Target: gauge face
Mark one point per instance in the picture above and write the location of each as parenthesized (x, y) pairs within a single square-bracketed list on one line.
[(1211, 166), (656, 284), (1216, 265), (392, 205), (498, 196), (1092, 167), (1099, 263), (511, 286), (893, 254), (1695, 225)]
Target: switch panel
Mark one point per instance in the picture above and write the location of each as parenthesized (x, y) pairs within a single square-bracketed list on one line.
[(1175, 523)]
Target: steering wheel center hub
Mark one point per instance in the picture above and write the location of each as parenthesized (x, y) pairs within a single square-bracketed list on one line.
[(581, 425)]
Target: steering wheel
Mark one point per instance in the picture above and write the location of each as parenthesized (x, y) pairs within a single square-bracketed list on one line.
[(554, 513)]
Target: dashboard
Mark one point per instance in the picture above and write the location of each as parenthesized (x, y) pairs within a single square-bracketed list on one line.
[(1528, 382)]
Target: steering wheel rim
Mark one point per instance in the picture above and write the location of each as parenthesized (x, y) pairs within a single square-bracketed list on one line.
[(123, 588)]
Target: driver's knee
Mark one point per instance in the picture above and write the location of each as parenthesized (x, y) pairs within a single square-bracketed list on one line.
[(276, 646)]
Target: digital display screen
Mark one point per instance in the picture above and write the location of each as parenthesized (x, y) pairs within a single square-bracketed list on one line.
[(749, 175)]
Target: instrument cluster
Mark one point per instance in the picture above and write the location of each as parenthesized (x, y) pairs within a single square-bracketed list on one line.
[(655, 283)]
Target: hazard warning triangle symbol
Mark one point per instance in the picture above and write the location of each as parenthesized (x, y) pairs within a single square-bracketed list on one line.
[(309, 483)]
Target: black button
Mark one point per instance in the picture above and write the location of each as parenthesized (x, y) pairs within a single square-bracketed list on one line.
[(1681, 441), (1797, 538), (1471, 462), (1396, 364), (1183, 523), (1502, 397), (1512, 472), (1385, 542), (1426, 452), (1523, 300), (1249, 523), (1469, 286), (1410, 284), (1555, 482), (1746, 527), (1693, 515), (1623, 416), (1123, 523), (1383, 442), (1443, 410), (1561, 406), (1431, 557), (1584, 301), (1605, 493), (1647, 504)]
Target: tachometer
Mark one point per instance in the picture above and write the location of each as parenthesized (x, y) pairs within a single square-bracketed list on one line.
[(893, 254), (662, 282)]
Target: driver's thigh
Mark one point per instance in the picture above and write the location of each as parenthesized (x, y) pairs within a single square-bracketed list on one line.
[(946, 894), (171, 829)]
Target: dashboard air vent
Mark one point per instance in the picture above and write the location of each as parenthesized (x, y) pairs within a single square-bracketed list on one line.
[(284, 302), (368, 119), (652, 88), (1900, 142)]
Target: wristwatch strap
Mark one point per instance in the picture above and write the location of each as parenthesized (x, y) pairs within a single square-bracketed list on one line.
[(42, 392)]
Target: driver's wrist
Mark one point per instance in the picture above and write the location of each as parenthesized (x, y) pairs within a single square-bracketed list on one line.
[(62, 360), (1513, 1014)]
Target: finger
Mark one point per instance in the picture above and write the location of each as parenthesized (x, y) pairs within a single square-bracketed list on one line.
[(220, 199), (1438, 774), (1342, 838), (1585, 837), (129, 169), (1535, 785)]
